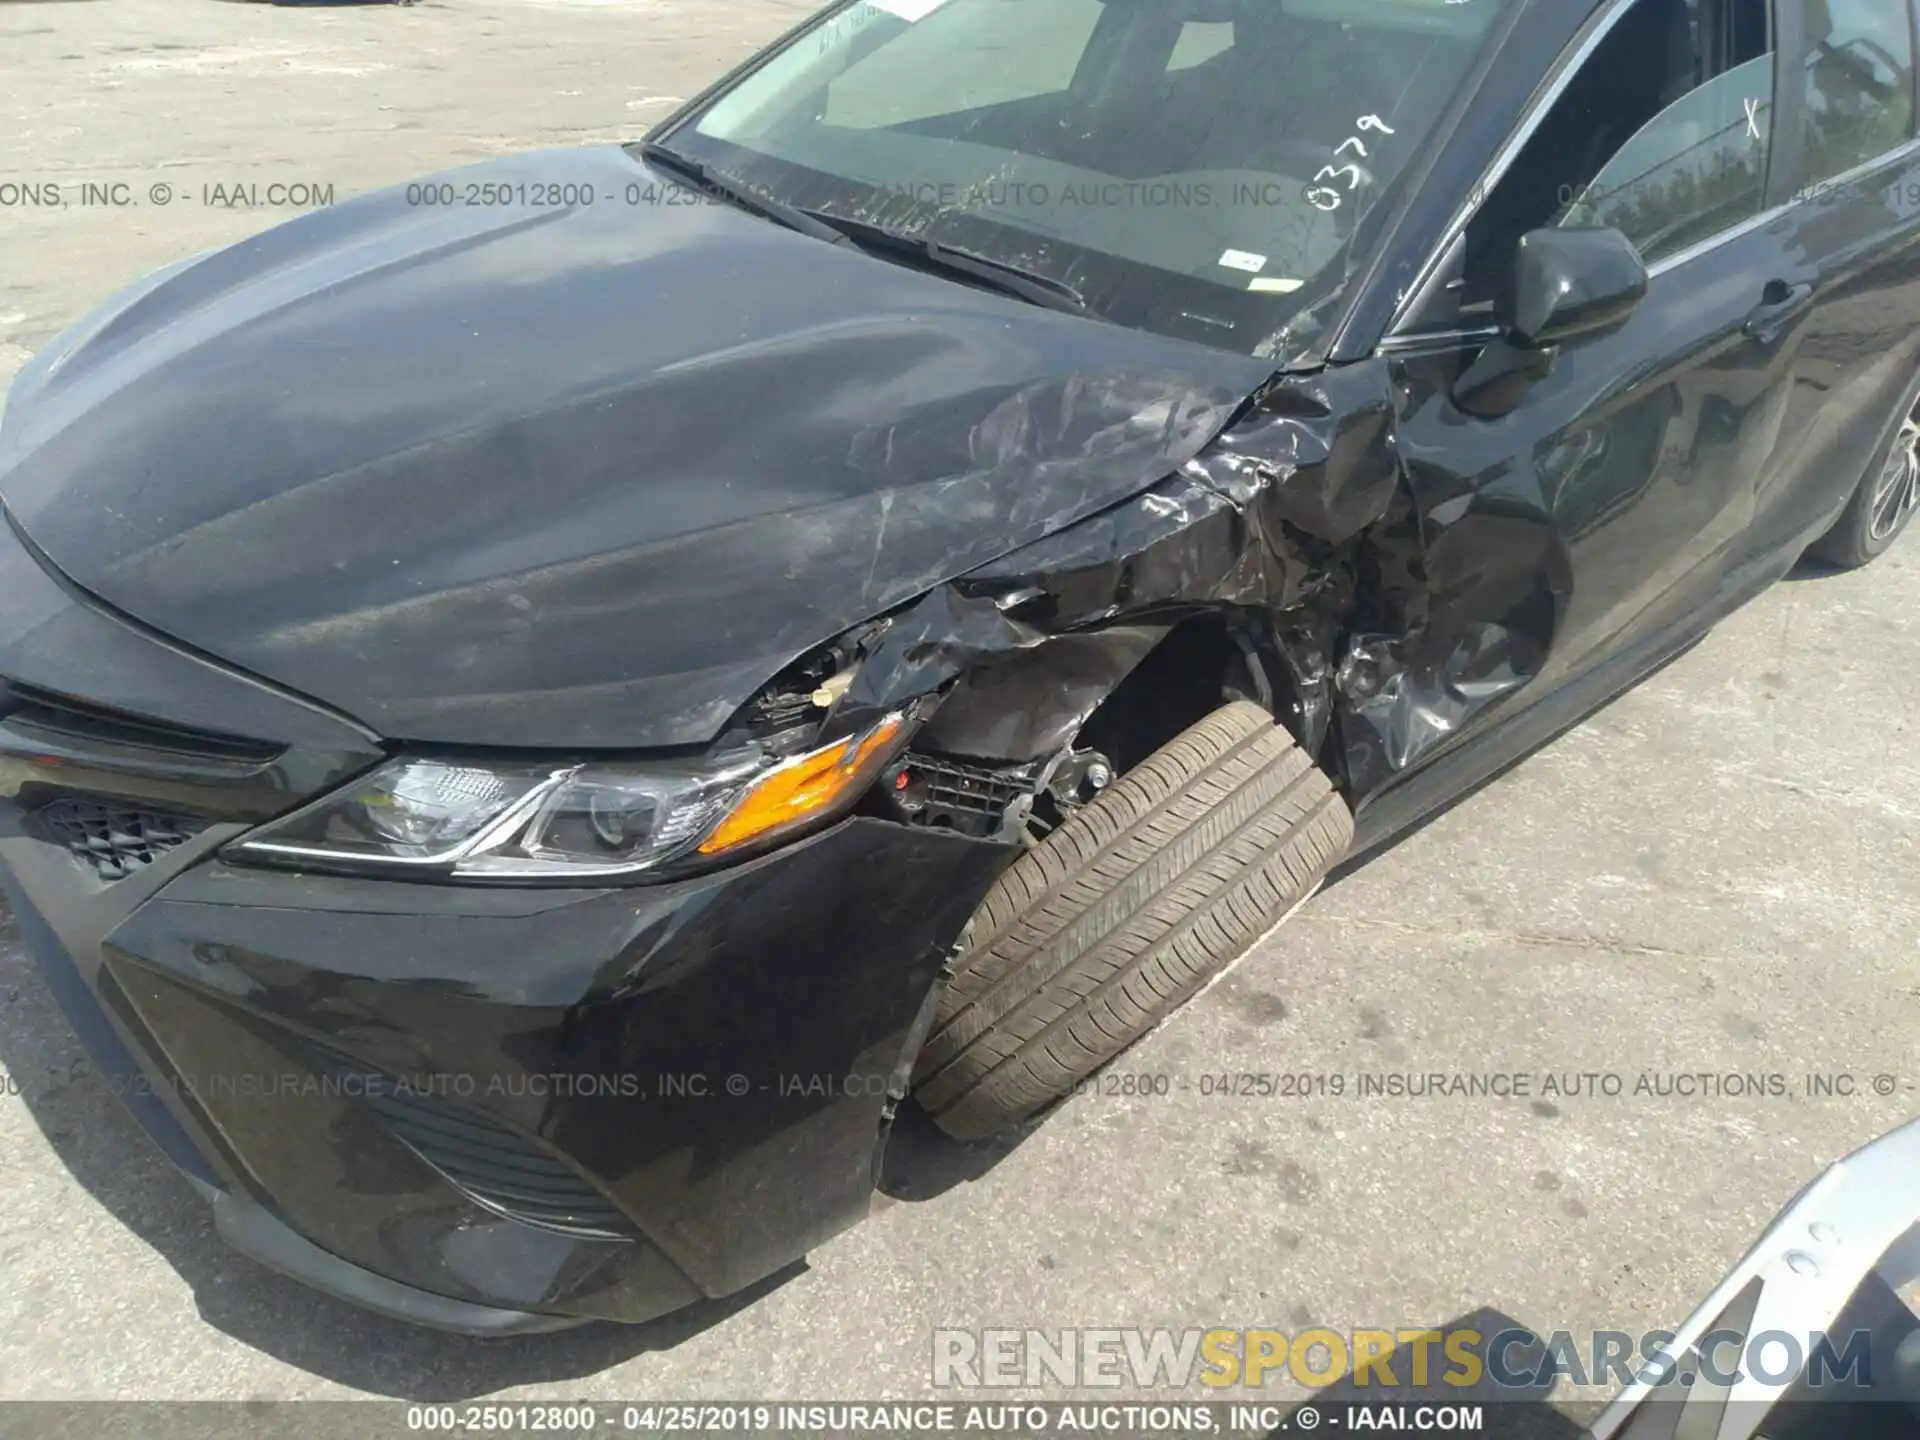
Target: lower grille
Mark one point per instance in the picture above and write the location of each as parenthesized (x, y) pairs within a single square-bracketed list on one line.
[(115, 840), (498, 1169)]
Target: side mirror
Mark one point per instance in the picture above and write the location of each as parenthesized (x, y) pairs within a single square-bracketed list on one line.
[(1563, 284), (1567, 283)]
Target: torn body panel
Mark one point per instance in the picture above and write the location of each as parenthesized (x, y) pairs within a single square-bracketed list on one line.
[(1361, 586), (1261, 527)]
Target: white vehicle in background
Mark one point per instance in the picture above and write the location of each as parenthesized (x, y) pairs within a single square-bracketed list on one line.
[(1813, 1335)]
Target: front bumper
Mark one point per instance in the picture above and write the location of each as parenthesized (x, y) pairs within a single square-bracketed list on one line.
[(246, 1224), (489, 1110)]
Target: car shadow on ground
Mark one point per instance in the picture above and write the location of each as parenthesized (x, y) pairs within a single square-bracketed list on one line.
[(1808, 568), (1503, 1414), (107, 1154), (923, 1162)]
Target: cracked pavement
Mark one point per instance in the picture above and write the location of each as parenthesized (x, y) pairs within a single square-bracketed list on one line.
[(1712, 875)]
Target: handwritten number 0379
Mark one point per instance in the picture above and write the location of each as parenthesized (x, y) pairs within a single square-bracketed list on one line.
[(1323, 196)]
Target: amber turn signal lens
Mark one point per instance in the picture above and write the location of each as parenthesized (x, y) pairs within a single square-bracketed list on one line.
[(805, 787)]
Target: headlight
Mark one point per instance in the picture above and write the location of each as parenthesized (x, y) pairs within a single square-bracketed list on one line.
[(482, 821)]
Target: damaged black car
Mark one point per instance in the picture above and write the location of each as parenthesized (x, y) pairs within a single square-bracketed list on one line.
[(542, 705)]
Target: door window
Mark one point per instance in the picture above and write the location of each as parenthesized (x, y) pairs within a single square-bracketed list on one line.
[(1665, 132), (1697, 167), (1858, 83)]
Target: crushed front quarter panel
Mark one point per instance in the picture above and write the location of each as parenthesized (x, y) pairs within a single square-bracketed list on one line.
[(1298, 522)]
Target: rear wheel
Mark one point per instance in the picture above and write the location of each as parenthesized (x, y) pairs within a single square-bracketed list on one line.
[(1124, 912), (1883, 504)]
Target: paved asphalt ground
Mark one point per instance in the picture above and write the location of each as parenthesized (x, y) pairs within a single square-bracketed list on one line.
[(1718, 873)]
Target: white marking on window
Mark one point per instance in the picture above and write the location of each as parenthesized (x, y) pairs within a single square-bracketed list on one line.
[(1352, 172)]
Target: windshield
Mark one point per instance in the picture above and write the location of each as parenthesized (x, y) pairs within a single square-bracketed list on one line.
[(1193, 167)]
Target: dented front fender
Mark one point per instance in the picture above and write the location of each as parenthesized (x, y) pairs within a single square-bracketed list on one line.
[(1303, 526)]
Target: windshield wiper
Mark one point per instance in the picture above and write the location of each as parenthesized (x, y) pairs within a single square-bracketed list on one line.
[(747, 199), (1028, 285)]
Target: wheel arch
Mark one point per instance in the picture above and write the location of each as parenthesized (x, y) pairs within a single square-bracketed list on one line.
[(1128, 688)]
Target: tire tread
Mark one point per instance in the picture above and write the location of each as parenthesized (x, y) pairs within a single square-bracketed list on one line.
[(1124, 912)]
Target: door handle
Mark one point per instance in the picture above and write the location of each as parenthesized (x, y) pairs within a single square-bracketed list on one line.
[(1779, 303)]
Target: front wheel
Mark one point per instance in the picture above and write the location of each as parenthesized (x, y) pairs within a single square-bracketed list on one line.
[(1126, 911), (1882, 506)]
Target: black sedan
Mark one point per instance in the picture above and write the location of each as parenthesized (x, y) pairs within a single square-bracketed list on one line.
[(542, 705)]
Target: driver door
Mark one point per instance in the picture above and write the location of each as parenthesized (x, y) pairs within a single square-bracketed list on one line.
[(1581, 524)]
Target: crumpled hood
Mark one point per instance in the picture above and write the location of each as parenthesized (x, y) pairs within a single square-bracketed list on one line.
[(580, 476)]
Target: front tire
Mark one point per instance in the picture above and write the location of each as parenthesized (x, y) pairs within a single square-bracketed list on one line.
[(1126, 911)]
